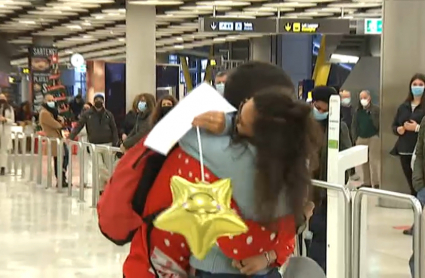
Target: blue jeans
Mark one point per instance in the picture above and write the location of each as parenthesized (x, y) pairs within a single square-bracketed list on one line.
[(203, 274), (421, 197)]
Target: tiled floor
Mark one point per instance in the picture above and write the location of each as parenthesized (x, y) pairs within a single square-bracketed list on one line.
[(44, 234)]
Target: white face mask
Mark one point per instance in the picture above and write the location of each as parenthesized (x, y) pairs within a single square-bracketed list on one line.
[(220, 88), (364, 102)]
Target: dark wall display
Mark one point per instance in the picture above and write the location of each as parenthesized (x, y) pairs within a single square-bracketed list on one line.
[(168, 76), (45, 78), (115, 90)]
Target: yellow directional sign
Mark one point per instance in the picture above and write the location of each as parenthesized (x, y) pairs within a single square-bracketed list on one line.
[(296, 27), (301, 27)]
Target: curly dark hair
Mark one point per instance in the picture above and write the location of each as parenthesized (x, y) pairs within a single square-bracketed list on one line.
[(285, 137)]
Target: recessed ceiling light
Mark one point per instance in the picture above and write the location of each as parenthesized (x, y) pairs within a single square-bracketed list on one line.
[(74, 27), (311, 1), (27, 22), (290, 5), (179, 39), (267, 9), (179, 46), (356, 5), (121, 39), (155, 2), (223, 3), (207, 8), (86, 23)]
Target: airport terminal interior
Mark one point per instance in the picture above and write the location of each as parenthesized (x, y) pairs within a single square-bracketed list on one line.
[(62, 57)]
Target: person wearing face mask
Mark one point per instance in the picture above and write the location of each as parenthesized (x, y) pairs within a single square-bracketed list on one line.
[(83, 138), (101, 130), (242, 153), (51, 124), (7, 118), (316, 246), (131, 117), (406, 127), (145, 106), (347, 112), (365, 131), (220, 80)]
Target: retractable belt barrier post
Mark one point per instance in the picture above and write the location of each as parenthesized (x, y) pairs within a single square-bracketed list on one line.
[(22, 138), (346, 197), (12, 156), (83, 173), (48, 141), (417, 212), (95, 166), (39, 159), (59, 163), (18, 159), (32, 158), (80, 157)]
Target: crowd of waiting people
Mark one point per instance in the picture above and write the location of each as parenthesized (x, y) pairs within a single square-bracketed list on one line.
[(271, 182)]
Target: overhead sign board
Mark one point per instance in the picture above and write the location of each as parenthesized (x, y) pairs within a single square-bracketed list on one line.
[(274, 25), (312, 26), (239, 25), (373, 26)]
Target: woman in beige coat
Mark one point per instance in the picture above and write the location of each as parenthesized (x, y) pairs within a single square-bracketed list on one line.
[(7, 119), (52, 124)]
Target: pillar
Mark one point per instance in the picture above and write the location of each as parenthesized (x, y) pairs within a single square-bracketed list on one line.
[(261, 49), (140, 51), (297, 52), (402, 55)]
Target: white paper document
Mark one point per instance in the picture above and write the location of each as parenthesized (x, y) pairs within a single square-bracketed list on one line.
[(178, 121)]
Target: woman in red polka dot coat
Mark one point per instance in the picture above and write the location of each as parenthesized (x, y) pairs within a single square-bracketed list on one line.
[(270, 181)]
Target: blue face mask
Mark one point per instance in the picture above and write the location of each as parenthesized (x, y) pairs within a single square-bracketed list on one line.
[(346, 101), (51, 104), (417, 90), (318, 115), (141, 106), (220, 88)]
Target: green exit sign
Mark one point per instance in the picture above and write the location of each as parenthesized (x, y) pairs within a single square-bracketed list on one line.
[(373, 26)]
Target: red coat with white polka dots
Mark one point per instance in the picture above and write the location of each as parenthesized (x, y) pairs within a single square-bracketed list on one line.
[(169, 252)]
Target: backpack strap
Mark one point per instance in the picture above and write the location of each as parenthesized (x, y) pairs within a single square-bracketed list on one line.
[(149, 222)]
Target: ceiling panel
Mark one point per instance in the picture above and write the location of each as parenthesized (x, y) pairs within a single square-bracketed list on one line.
[(96, 28)]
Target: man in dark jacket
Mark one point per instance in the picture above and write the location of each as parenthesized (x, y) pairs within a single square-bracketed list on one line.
[(101, 129)]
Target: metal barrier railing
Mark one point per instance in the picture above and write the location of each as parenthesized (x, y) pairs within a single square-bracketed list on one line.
[(32, 158), (48, 141), (417, 212), (352, 208), (59, 163), (347, 220), (91, 149), (80, 156)]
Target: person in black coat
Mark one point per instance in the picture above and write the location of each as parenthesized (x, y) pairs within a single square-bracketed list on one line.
[(142, 106), (406, 125)]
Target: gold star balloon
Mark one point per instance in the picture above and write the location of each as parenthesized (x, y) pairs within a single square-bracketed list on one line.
[(201, 213)]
